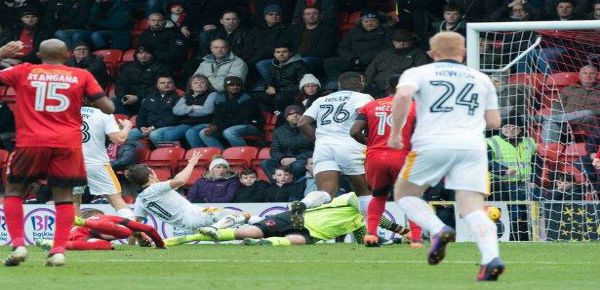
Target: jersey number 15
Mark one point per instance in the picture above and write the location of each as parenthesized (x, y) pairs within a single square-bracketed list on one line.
[(47, 91)]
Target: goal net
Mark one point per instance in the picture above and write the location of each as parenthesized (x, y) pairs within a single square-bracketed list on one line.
[(542, 165)]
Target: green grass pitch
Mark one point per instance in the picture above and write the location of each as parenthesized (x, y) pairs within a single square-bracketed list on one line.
[(329, 266)]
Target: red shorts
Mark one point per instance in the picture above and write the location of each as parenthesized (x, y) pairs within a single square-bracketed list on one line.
[(382, 169), (62, 167)]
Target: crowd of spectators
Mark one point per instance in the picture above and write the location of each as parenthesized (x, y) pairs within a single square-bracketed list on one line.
[(205, 73)]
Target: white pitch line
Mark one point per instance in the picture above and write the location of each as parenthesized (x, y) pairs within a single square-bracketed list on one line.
[(312, 261)]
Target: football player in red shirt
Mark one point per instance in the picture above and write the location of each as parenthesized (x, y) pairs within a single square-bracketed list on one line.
[(94, 231), (382, 164), (48, 143)]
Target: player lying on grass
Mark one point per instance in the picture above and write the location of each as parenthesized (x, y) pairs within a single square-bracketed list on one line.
[(339, 217), (96, 230), (161, 200)]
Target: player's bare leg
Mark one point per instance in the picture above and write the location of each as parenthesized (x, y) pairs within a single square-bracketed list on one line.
[(328, 181), (65, 214), (361, 188), (408, 197), (13, 212), (122, 209), (470, 205), (77, 203)]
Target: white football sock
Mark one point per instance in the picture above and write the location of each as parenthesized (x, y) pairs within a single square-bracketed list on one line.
[(126, 213), (363, 204), (316, 198), (229, 221), (417, 210), (254, 219), (485, 233)]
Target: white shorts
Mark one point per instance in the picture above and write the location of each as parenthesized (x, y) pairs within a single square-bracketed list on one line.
[(101, 179), (462, 169), (350, 160)]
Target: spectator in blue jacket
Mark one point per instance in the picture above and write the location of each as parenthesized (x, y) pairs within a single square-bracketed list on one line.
[(219, 184)]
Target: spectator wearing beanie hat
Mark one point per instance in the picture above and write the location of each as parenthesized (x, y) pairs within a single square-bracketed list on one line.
[(30, 32), (236, 116), (83, 58), (289, 147), (219, 184), (310, 90), (261, 40), (358, 48)]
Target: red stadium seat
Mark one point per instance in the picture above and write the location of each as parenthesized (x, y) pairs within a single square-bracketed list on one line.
[(550, 151), (573, 170), (196, 173), (142, 25), (562, 79), (110, 91), (165, 157), (142, 154), (535, 80), (163, 173), (206, 155), (575, 151), (263, 154), (260, 173), (112, 58), (128, 56), (133, 120), (240, 156)]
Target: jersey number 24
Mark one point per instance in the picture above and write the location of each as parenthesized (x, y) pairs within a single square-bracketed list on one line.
[(462, 99)]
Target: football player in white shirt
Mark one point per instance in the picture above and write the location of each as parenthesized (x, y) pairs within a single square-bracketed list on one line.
[(455, 104), (336, 152), (101, 178), (160, 199)]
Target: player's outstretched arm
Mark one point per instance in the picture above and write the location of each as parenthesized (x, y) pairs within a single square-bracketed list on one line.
[(182, 177), (105, 105), (492, 119), (357, 130), (306, 126), (121, 136)]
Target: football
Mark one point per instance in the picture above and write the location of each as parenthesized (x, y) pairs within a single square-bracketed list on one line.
[(493, 212)]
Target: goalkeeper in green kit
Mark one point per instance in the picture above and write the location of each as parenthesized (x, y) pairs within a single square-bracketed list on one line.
[(339, 217)]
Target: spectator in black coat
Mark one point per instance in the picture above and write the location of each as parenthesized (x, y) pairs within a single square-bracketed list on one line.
[(83, 58), (477, 10), (236, 116), (516, 11), (252, 189), (203, 15), (312, 39), (156, 117), (228, 30), (136, 80), (11, 11), (285, 73), (358, 48), (67, 16), (329, 10), (260, 42), (289, 147), (284, 189), (31, 33), (167, 44)]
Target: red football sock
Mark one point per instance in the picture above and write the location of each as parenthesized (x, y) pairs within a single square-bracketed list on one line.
[(13, 212), (374, 213), (415, 230), (65, 213), (89, 245), (109, 228)]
